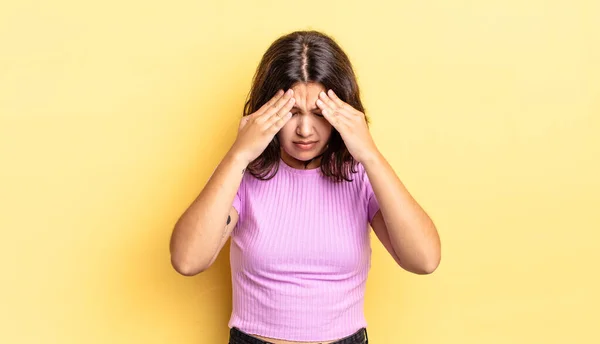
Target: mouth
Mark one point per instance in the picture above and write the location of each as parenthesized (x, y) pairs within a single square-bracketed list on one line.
[(305, 145)]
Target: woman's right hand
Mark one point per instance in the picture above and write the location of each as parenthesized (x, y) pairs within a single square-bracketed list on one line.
[(257, 130)]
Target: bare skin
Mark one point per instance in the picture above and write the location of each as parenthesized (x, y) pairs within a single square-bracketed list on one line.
[(279, 341), (306, 125)]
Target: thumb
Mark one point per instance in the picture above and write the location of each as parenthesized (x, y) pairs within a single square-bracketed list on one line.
[(243, 122)]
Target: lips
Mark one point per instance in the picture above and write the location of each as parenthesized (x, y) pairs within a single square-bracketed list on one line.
[(305, 145)]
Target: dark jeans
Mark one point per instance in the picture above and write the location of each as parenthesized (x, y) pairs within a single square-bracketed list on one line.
[(236, 336)]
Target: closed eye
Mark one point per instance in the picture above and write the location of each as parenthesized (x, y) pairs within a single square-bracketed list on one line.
[(318, 114)]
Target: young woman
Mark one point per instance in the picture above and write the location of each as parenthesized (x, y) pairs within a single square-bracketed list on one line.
[(296, 192)]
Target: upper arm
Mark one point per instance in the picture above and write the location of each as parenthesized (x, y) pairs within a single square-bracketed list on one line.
[(227, 229), (381, 231)]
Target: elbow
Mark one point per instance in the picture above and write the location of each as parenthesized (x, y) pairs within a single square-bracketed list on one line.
[(427, 265), (186, 267), (423, 269), (430, 264), (431, 257), (186, 260)]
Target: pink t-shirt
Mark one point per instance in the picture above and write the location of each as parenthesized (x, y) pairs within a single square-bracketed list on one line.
[(300, 254)]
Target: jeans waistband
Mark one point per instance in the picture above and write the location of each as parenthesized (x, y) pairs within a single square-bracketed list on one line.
[(236, 336)]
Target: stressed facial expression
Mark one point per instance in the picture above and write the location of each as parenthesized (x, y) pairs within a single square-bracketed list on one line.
[(306, 134)]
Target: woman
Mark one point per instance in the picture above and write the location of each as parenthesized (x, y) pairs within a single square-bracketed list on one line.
[(297, 192)]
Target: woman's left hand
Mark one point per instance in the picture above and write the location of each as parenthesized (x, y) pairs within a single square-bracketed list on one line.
[(350, 123)]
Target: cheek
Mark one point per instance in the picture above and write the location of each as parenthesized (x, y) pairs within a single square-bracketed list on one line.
[(285, 132), (325, 129)]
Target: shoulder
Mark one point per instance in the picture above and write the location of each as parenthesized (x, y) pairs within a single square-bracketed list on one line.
[(362, 179), (361, 173)]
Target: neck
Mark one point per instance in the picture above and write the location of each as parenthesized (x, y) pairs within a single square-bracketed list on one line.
[(301, 164)]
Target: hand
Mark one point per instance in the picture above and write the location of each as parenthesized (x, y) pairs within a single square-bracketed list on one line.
[(258, 129), (350, 123)]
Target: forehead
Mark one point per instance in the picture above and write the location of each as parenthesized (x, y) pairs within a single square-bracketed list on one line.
[(306, 94)]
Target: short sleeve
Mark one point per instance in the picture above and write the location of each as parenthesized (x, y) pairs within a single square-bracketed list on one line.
[(372, 203)]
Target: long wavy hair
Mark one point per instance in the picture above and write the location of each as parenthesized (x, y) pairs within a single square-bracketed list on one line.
[(305, 56)]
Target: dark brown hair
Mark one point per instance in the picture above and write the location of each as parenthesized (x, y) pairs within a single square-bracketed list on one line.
[(305, 56)]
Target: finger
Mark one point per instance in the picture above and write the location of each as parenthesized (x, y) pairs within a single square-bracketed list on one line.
[(281, 102), (280, 122), (270, 103), (282, 112), (343, 112), (344, 108), (340, 123), (243, 122), (340, 103), (324, 98), (325, 108), (330, 115)]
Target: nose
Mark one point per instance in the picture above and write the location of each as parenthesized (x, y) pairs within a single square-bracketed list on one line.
[(304, 127)]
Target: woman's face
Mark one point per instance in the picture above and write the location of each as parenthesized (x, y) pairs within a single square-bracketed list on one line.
[(306, 134)]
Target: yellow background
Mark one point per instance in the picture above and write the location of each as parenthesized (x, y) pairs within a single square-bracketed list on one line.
[(114, 114)]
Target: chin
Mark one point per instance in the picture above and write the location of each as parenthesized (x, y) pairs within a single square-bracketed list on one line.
[(304, 155)]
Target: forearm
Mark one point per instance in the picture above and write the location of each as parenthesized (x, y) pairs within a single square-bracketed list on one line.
[(199, 230), (413, 235)]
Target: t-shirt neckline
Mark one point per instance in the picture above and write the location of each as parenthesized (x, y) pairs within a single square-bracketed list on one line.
[(284, 166)]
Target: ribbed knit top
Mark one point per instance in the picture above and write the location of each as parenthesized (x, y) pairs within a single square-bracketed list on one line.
[(300, 254)]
